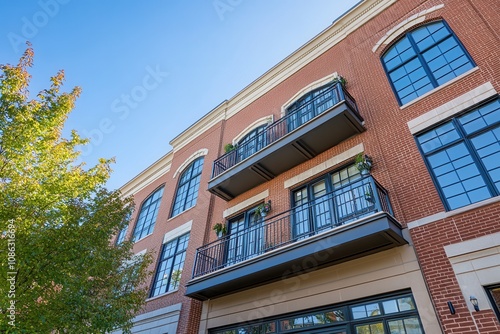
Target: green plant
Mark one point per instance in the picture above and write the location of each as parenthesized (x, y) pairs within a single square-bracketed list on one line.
[(220, 229), (341, 79), (262, 210), (363, 163), (229, 147)]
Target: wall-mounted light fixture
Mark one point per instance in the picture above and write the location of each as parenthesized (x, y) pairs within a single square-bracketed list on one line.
[(451, 307), (474, 303)]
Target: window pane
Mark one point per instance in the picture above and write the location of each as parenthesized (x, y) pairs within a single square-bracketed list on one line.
[(377, 328), (187, 189), (170, 265), (390, 306), (438, 137), (412, 326), (406, 304), (488, 149), (147, 215), (466, 167), (494, 293), (364, 311), (397, 327), (423, 59)]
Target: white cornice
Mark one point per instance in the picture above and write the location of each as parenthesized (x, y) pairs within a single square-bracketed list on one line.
[(148, 176), (336, 32), (213, 117)]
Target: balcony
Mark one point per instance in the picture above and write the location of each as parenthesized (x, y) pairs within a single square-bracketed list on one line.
[(309, 128), (351, 222)]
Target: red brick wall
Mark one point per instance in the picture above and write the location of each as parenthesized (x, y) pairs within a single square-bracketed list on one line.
[(398, 165)]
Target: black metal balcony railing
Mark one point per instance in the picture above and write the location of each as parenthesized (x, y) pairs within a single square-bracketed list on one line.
[(298, 115), (344, 205)]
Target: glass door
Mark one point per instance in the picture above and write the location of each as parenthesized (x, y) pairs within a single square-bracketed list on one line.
[(246, 237)]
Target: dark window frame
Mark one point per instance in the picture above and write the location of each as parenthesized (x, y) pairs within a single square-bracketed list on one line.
[(347, 325), (152, 222), (249, 222), (258, 136), (342, 211), (163, 261), (419, 55), (177, 206), (466, 139), (495, 306)]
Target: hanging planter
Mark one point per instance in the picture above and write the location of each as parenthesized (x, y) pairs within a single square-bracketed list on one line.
[(363, 164), (262, 210), (220, 229)]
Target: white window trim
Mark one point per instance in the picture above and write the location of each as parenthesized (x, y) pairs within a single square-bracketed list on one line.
[(200, 153), (333, 161), (177, 232), (451, 108), (261, 121), (307, 89), (246, 203), (476, 264), (407, 24)]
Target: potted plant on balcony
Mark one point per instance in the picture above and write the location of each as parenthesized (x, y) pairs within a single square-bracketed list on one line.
[(262, 210), (229, 147), (363, 163), (220, 229), (341, 80)]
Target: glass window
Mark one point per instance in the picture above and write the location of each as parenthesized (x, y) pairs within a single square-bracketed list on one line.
[(462, 155), (246, 237), (147, 216), (494, 295), (254, 141), (423, 59), (373, 319), (187, 189), (311, 105), (169, 270), (335, 199), (121, 236)]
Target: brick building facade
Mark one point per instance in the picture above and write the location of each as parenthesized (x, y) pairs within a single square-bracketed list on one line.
[(400, 249)]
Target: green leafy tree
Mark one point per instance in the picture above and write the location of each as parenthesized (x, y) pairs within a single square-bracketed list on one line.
[(61, 273)]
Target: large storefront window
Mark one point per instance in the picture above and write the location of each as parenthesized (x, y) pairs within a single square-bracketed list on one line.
[(392, 314)]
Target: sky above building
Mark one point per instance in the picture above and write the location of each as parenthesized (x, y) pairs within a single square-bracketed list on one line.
[(150, 69)]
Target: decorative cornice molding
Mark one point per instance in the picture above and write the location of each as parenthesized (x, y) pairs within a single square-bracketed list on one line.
[(398, 29), (336, 32), (192, 157), (148, 175)]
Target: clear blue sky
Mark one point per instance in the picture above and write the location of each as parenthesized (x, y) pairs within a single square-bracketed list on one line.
[(149, 69)]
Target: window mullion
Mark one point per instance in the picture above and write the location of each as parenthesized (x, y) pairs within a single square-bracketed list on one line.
[(475, 157), (422, 61)]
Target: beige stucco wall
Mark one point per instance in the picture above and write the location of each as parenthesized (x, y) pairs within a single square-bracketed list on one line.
[(384, 272)]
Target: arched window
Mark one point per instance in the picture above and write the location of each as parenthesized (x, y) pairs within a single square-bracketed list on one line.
[(253, 141), (423, 59), (187, 189), (311, 105), (147, 216)]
